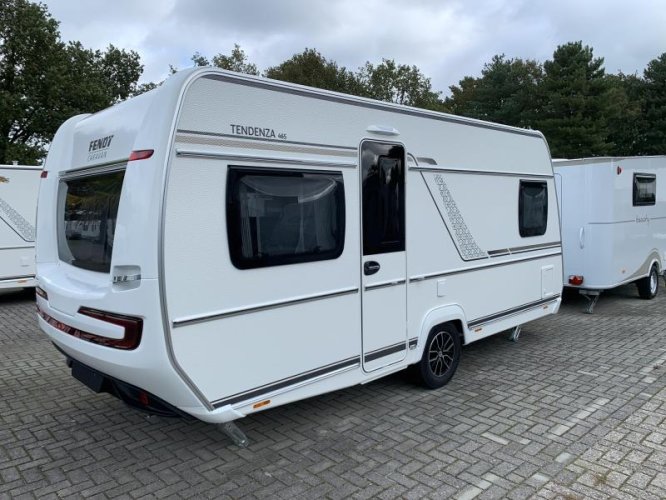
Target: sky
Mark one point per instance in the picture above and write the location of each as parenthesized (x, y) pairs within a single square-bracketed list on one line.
[(446, 39)]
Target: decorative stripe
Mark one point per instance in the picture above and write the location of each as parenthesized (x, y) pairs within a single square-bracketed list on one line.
[(22, 247), (413, 342), (510, 312), (17, 222), (280, 384), (523, 249), (263, 307), (15, 278), (265, 159), (376, 286), (478, 268), (244, 139), (467, 246), (493, 173), (385, 351)]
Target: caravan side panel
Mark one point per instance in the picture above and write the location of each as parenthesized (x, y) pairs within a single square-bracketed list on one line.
[(18, 210)]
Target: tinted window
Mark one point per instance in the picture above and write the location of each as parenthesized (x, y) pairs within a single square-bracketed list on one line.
[(277, 217), (88, 214), (645, 189), (383, 198), (532, 208)]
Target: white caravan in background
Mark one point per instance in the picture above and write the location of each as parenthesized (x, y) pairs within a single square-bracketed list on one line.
[(613, 216), (256, 242), (19, 185)]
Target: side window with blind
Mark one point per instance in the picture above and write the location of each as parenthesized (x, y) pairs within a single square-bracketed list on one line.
[(279, 216), (532, 208), (645, 189)]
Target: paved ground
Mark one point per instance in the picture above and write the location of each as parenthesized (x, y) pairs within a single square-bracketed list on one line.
[(575, 409)]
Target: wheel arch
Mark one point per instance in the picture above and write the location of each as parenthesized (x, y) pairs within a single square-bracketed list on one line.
[(450, 313)]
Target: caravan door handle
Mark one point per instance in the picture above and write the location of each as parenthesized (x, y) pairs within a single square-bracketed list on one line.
[(370, 267)]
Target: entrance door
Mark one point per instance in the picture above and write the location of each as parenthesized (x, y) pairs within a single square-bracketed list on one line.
[(383, 263)]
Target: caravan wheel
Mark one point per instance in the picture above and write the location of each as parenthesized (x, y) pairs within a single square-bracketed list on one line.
[(648, 287), (440, 356)]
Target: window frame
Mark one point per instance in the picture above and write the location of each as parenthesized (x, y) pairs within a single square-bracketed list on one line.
[(635, 201), (521, 230), (232, 207)]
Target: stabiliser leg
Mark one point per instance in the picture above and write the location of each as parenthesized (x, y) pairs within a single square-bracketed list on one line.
[(592, 297), (514, 335), (235, 434)]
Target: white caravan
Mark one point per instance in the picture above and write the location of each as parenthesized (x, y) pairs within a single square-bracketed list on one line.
[(19, 185), (613, 216), (257, 242)]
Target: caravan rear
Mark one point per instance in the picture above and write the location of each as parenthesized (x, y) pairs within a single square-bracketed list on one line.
[(613, 223), (255, 242)]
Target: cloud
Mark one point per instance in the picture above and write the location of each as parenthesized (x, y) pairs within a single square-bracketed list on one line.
[(447, 40)]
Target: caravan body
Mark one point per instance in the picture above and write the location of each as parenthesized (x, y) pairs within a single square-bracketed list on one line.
[(19, 185), (613, 222), (258, 242)]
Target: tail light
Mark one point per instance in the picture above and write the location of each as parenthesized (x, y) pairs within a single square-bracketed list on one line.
[(575, 280), (140, 154), (131, 338), (133, 327), (40, 291)]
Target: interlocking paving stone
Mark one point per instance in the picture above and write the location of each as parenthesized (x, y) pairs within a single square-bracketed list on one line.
[(575, 409)]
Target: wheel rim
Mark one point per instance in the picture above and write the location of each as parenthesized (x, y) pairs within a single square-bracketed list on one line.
[(440, 353), (653, 282)]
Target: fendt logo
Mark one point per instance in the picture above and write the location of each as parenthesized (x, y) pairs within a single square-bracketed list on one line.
[(3, 180), (98, 148)]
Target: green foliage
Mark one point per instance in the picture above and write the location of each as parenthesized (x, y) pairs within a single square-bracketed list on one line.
[(237, 62), (398, 83), (654, 107), (505, 93), (624, 116), (43, 82), (314, 70), (574, 102)]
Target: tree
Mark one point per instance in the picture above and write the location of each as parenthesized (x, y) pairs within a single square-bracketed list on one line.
[(624, 114), (312, 69), (653, 137), (505, 93), (398, 83), (575, 98), (43, 81), (237, 62)]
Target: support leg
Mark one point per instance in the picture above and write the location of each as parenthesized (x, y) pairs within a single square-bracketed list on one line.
[(515, 333), (592, 297), (235, 434)]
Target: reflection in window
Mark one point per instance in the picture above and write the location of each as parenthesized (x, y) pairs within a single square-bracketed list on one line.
[(277, 217), (532, 208), (88, 216), (645, 189), (383, 198)]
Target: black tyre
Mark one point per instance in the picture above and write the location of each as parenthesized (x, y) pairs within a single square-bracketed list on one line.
[(441, 356), (648, 287)]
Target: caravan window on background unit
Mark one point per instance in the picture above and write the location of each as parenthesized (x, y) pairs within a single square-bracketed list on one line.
[(532, 208), (277, 217), (645, 189)]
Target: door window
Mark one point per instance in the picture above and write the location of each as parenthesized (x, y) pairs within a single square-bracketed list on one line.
[(383, 185)]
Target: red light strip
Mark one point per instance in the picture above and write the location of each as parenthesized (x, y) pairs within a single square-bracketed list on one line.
[(128, 342), (140, 154)]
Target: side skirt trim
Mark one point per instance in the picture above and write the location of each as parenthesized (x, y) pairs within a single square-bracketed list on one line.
[(280, 384)]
